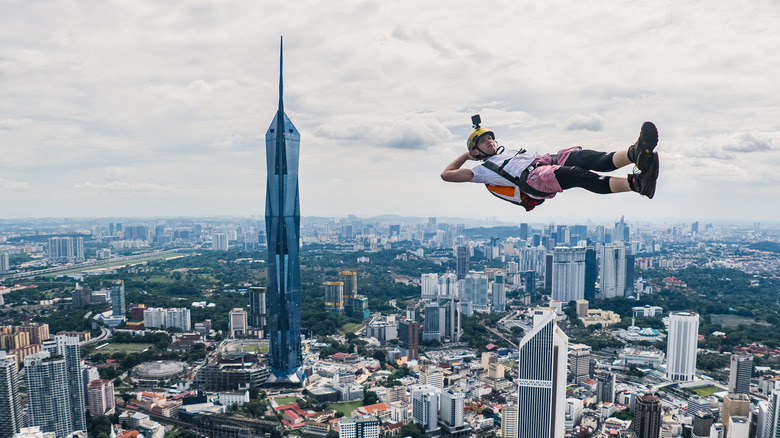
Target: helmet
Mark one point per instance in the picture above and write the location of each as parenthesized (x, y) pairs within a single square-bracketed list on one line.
[(471, 143)]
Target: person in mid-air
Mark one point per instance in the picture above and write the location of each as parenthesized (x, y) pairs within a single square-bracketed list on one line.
[(527, 178)]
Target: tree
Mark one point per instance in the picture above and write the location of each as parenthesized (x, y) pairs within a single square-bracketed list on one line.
[(369, 398)]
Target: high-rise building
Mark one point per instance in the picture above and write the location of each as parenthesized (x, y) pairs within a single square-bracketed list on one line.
[(10, 405), (568, 273), (498, 294), (257, 310), (647, 416), (334, 296), (5, 265), (219, 242), (613, 270), (450, 326), (509, 421), (579, 362), (475, 291), (49, 402), (118, 306), (239, 324), (429, 286), (681, 346), (168, 317), (366, 427), (740, 370), (734, 405), (282, 223), (425, 407), (349, 278), (66, 248), (542, 379), (409, 338), (100, 397), (701, 424), (591, 273), (605, 387), (448, 285), (451, 410), (772, 422), (68, 347), (461, 261), (432, 323), (739, 427)]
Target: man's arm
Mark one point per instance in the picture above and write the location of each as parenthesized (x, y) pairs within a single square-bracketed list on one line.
[(453, 171)]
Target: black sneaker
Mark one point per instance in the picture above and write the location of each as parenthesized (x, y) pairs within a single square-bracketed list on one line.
[(644, 182), (641, 152)]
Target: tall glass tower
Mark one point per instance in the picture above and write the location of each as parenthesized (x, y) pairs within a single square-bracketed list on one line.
[(282, 224)]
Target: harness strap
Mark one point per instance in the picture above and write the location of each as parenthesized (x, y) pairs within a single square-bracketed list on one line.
[(518, 181)]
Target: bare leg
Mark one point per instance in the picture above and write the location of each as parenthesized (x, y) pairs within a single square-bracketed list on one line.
[(618, 185), (620, 159)]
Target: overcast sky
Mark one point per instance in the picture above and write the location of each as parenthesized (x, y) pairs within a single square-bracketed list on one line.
[(150, 108)]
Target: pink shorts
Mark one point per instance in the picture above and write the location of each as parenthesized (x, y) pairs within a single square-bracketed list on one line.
[(542, 177)]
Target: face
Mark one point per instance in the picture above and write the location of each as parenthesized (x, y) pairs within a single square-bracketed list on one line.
[(486, 146)]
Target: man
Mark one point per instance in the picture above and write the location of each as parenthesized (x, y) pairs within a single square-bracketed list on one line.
[(527, 179)]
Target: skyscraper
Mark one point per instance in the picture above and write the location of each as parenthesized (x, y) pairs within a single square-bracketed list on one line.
[(68, 347), (590, 273), (734, 405), (509, 420), (542, 379), (772, 423), (681, 346), (282, 223), (238, 322), (461, 261), (334, 296), (740, 370), (429, 286), (425, 407), (257, 311), (219, 242), (5, 266), (451, 411), (647, 417), (568, 274), (10, 413), (613, 270), (605, 389), (118, 298), (498, 294), (48, 393)]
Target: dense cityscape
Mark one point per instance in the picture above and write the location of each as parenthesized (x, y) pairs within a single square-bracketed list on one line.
[(409, 327)]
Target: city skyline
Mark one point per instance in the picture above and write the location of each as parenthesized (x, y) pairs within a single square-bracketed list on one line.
[(129, 116)]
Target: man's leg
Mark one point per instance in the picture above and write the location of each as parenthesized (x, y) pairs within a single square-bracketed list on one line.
[(569, 177)]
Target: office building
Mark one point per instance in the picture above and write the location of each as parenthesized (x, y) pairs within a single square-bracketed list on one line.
[(409, 338), (5, 265), (542, 379), (498, 294), (734, 405), (449, 309), (462, 254), (136, 232), (100, 397), (118, 306), (647, 416), (613, 270), (349, 279), (448, 285), (739, 427), (701, 424), (282, 223), (49, 402), (452, 404), (257, 309), (568, 274), (591, 273), (605, 387), (425, 407), (772, 422), (681, 346), (10, 404), (429, 286), (432, 323), (579, 363), (740, 370), (219, 242), (475, 291), (334, 296), (365, 427), (239, 324)]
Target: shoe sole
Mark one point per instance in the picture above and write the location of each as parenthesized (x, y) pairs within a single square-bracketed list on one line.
[(652, 171), (648, 140)]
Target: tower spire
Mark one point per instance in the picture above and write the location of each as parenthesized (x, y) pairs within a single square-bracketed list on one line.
[(281, 87)]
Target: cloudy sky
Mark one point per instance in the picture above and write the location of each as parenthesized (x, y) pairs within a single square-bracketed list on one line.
[(149, 108)]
